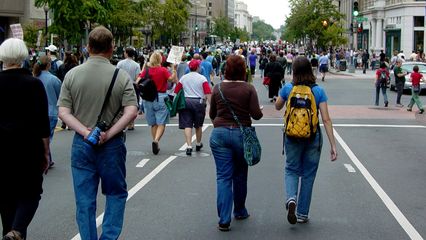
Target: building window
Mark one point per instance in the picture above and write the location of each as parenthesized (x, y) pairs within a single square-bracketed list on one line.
[(419, 21), (418, 40)]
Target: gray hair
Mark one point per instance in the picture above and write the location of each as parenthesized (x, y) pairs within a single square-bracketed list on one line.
[(13, 51)]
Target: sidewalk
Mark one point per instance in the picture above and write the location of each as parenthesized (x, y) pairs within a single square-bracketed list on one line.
[(358, 73)]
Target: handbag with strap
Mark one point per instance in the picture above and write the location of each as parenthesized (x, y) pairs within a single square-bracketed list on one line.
[(266, 81), (252, 148)]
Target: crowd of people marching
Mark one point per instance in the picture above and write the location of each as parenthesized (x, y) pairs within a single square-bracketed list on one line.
[(100, 101)]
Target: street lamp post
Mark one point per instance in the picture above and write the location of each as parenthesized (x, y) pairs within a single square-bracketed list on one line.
[(46, 10), (196, 23)]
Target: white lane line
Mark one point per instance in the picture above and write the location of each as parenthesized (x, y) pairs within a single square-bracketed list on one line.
[(379, 125), (400, 218), (334, 125), (140, 184), (149, 177), (349, 168), (205, 126), (136, 188), (142, 163)]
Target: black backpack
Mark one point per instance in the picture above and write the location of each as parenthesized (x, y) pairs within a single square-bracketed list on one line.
[(148, 90), (383, 79)]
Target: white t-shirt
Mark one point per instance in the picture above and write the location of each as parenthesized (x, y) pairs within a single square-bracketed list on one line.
[(131, 67), (192, 84)]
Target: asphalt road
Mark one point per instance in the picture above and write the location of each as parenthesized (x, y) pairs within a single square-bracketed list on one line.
[(375, 190)]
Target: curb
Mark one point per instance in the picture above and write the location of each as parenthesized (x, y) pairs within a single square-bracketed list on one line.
[(341, 73)]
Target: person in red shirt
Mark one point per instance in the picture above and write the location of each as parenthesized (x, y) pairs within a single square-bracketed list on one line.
[(382, 83), (156, 113), (416, 77)]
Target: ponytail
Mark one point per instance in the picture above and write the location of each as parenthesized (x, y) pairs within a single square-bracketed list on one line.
[(42, 64)]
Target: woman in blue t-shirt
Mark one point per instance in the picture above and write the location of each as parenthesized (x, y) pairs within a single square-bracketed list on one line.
[(303, 155)]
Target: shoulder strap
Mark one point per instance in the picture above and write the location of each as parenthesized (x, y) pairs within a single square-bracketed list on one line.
[(230, 108), (108, 94), (147, 72)]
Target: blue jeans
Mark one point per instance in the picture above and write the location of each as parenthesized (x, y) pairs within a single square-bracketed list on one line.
[(289, 67), (302, 160), (53, 121), (385, 96), (231, 172), (90, 165)]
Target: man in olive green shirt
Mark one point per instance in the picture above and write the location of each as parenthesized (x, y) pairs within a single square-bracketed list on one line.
[(399, 81), (82, 95)]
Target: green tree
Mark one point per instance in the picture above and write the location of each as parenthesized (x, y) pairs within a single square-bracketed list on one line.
[(174, 19), (282, 31), (241, 34), (262, 31), (307, 22), (222, 28), (70, 17), (30, 34), (169, 20), (124, 17)]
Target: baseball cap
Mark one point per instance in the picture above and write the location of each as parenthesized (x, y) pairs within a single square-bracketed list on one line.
[(52, 48), (194, 64)]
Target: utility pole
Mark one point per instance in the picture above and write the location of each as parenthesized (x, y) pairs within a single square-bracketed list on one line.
[(355, 13)]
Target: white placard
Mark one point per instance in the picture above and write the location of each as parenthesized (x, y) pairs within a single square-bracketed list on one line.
[(175, 55), (39, 35), (17, 31)]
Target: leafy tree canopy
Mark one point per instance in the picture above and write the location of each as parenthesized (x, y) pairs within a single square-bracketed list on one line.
[(317, 20), (222, 28), (262, 31), (72, 17), (241, 34)]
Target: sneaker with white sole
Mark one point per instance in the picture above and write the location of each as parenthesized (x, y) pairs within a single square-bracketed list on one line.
[(291, 214), (302, 220)]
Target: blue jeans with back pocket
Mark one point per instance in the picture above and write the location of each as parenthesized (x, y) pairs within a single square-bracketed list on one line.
[(93, 165), (231, 172), (302, 160)]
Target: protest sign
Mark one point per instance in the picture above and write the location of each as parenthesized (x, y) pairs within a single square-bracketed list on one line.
[(175, 55), (17, 31), (39, 35)]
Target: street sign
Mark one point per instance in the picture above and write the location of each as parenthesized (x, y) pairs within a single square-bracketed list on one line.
[(361, 19)]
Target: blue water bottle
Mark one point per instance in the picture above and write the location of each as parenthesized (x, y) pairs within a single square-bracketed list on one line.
[(94, 135)]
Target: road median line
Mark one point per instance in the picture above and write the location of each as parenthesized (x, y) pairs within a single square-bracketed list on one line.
[(398, 215)]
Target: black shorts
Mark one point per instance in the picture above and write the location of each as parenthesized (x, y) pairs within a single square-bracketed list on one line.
[(193, 115), (323, 68)]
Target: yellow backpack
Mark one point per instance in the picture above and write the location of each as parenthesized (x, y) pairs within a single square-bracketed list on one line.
[(301, 115)]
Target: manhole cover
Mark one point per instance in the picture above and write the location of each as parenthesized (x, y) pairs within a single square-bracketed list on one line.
[(136, 153), (194, 154)]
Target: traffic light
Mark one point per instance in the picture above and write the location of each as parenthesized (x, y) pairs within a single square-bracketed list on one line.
[(355, 10), (196, 27)]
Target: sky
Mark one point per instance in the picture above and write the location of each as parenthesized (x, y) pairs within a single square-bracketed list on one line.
[(272, 12)]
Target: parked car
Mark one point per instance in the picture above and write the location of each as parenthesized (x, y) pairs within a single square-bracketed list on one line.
[(408, 67)]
